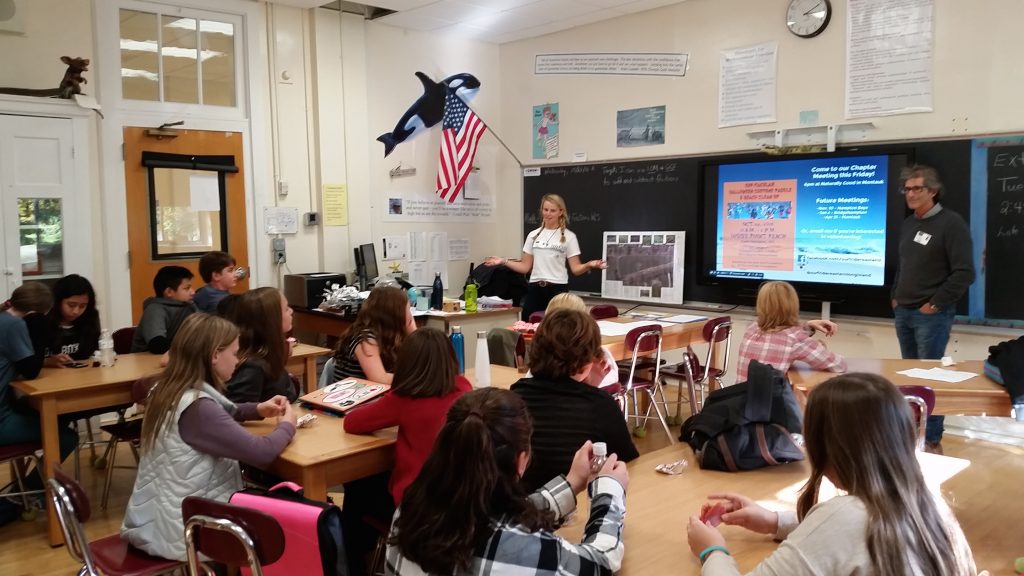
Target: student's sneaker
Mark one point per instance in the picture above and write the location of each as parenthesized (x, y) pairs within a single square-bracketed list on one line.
[(933, 447)]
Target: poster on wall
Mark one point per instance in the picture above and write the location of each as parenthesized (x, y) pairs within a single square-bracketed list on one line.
[(889, 57), (640, 127), (645, 266), (746, 85), (414, 199), (545, 131)]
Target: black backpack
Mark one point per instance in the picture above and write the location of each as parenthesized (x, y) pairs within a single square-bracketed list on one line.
[(747, 425)]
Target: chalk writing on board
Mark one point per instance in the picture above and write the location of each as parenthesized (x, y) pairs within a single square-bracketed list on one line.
[(1003, 248)]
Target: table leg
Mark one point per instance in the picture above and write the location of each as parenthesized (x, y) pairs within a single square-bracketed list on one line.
[(51, 457), (309, 378), (314, 483)]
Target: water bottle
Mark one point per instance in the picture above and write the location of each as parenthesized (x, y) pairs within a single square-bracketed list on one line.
[(600, 456), (483, 361), (413, 295), (459, 344), (437, 293), (106, 349), (469, 291)]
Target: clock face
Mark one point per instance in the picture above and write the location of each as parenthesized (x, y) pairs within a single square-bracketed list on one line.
[(807, 18)]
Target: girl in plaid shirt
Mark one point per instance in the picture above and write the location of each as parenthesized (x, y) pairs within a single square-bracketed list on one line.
[(779, 339), (467, 513)]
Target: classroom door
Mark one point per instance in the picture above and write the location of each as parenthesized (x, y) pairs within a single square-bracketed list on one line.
[(185, 196)]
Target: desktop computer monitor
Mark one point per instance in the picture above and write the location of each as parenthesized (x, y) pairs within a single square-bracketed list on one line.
[(366, 265)]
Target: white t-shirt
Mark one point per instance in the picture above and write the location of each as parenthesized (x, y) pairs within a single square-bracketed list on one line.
[(550, 253)]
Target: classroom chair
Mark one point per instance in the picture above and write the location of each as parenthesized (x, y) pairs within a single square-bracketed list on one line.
[(642, 341), (21, 456), (109, 556), (123, 339), (501, 346), (604, 311), (327, 374), (229, 534), (536, 317), (699, 376), (125, 430), (922, 402)]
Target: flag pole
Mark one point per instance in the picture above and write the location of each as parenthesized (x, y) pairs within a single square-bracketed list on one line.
[(500, 141)]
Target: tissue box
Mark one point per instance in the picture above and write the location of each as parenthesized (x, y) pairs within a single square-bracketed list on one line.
[(451, 305)]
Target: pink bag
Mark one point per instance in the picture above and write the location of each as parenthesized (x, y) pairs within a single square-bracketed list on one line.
[(312, 530)]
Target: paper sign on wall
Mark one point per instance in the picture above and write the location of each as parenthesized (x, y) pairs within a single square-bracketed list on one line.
[(281, 220), (204, 192), (335, 205)]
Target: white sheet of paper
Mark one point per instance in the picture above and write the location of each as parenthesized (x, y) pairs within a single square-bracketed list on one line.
[(609, 328), (396, 247), (417, 247), (437, 246), (458, 248), (204, 192), (683, 318), (938, 374)]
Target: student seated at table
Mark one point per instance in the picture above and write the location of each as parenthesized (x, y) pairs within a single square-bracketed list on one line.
[(24, 339), (467, 512), (779, 339), (263, 318), (607, 374), (217, 269), (567, 411), (860, 436), (164, 313), (426, 384), (74, 320), (192, 441), (370, 346)]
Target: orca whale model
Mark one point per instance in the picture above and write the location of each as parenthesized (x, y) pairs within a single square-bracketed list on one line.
[(428, 109)]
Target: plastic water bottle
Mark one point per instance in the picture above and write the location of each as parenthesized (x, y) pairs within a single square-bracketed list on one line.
[(469, 291), (413, 295), (107, 354), (459, 344), (483, 361), (600, 456), (437, 293)]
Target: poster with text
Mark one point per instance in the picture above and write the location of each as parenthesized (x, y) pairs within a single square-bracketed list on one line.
[(646, 266), (545, 131), (812, 220)]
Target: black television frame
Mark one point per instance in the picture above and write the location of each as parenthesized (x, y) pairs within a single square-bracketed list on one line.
[(746, 288)]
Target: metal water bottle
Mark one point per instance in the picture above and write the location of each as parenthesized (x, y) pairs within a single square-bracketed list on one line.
[(482, 368), (437, 293), (459, 344)]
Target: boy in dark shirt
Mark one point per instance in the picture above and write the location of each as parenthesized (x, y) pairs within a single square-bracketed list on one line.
[(164, 313), (217, 269)]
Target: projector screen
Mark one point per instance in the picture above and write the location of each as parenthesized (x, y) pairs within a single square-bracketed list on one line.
[(810, 220)]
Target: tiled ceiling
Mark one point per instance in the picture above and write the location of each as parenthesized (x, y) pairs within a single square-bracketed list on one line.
[(497, 21)]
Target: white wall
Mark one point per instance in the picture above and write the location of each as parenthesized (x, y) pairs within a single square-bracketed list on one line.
[(53, 28)]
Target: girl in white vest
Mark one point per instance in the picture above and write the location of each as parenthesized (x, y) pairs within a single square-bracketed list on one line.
[(191, 437)]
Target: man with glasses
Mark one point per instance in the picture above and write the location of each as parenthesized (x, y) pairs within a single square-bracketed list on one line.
[(935, 270)]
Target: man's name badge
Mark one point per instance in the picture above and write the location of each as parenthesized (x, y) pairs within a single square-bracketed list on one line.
[(922, 238)]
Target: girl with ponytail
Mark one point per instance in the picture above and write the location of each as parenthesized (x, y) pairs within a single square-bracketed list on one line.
[(485, 521)]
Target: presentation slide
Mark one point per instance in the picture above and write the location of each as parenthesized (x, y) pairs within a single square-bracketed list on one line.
[(814, 220)]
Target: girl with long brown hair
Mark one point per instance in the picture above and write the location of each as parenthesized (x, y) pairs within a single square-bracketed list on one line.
[(426, 384), (369, 348), (545, 254), (263, 318), (467, 513), (860, 436), (192, 441)]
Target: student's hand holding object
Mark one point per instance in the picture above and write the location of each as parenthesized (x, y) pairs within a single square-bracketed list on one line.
[(276, 406), (579, 470), (737, 510)]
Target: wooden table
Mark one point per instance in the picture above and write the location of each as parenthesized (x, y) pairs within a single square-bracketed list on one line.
[(976, 396), (659, 505), (65, 390), (672, 337)]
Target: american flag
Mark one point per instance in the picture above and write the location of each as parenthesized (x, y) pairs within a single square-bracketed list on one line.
[(461, 130)]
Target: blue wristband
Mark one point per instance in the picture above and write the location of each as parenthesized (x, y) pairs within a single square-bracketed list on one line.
[(707, 552)]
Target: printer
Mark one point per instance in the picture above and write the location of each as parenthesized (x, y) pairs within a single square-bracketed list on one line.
[(307, 290)]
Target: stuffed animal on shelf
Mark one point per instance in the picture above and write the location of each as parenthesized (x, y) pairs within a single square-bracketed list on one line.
[(70, 84)]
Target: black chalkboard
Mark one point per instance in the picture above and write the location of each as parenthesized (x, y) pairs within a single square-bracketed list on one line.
[(1004, 239), (640, 195)]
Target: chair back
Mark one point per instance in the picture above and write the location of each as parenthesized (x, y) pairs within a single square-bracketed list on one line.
[(327, 374), (73, 509), (603, 311), (643, 340), (230, 534), (716, 331), (123, 339), (501, 346), (922, 401), (536, 317)]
